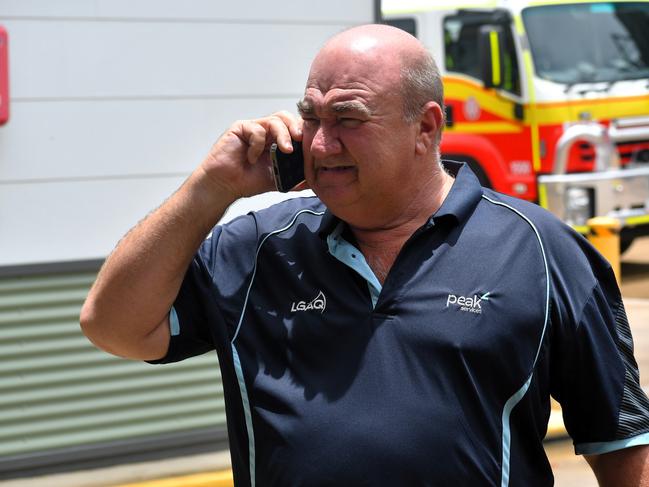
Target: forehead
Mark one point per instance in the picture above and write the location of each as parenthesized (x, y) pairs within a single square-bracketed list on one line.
[(344, 75)]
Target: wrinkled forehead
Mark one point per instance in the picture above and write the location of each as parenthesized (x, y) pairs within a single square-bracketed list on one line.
[(362, 64)]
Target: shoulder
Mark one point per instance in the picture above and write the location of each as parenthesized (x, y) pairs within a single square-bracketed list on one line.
[(233, 245), (526, 211), (287, 213), (571, 260), (255, 224), (554, 235), (577, 273)]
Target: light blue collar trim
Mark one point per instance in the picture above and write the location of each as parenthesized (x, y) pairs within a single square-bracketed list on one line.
[(349, 255), (174, 323)]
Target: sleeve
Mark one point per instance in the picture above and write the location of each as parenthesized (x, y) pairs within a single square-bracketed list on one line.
[(595, 376), (188, 317), (201, 318)]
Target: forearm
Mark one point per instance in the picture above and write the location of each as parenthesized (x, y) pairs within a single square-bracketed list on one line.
[(126, 310), (623, 468)]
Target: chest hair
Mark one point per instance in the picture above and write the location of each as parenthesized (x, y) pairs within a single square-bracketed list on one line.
[(380, 261)]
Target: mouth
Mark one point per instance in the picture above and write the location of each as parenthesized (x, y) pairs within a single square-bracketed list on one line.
[(335, 169), (334, 173)]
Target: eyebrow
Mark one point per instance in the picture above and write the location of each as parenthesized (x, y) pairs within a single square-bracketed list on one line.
[(351, 106), (305, 107)]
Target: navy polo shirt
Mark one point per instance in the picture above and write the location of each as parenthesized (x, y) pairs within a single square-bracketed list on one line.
[(440, 376)]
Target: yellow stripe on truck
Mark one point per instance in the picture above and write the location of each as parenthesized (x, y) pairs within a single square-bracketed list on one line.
[(484, 128), (456, 88), (543, 196), (599, 109), (637, 220), (553, 113), (530, 110), (495, 58)]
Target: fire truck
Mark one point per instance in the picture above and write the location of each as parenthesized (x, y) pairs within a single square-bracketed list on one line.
[(546, 101)]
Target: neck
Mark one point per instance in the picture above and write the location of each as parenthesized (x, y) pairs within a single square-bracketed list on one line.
[(419, 207), (381, 244)]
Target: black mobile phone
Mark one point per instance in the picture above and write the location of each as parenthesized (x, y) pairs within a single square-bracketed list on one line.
[(288, 169)]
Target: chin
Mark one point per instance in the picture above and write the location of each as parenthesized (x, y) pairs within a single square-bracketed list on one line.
[(340, 191), (349, 208)]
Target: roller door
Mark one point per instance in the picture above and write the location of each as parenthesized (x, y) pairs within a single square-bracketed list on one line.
[(65, 404)]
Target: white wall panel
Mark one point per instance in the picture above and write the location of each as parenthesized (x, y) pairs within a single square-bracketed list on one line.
[(66, 221), (72, 220), (216, 10), (114, 102), (67, 59), (95, 138)]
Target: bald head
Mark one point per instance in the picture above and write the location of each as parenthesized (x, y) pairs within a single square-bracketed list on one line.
[(365, 38), (395, 57)]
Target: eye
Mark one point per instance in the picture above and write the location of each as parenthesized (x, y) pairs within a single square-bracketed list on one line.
[(349, 122), (310, 121)]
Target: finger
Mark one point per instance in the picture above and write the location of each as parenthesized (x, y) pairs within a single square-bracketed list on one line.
[(254, 135), (280, 133), (293, 123), (300, 127)]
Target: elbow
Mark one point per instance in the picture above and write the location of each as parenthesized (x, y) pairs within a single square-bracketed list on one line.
[(121, 339), (86, 319), (98, 330), (91, 326)]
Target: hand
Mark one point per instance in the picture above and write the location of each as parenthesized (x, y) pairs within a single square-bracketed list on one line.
[(239, 162)]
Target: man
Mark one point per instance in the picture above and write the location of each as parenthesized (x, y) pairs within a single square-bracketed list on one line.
[(406, 327)]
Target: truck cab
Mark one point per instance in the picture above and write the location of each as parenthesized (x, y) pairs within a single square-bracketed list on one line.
[(547, 102)]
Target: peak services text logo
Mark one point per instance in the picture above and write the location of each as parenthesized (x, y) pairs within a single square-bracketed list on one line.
[(318, 303), (470, 304)]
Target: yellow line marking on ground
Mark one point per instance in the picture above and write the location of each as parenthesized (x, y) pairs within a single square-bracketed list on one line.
[(210, 479)]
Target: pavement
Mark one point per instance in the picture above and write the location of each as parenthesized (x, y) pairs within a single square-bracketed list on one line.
[(213, 469)]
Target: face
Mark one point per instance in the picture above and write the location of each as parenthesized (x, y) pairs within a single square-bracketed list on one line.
[(357, 147)]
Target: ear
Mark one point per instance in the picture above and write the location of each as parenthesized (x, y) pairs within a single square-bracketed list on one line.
[(430, 124)]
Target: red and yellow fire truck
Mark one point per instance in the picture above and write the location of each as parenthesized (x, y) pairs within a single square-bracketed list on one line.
[(546, 100)]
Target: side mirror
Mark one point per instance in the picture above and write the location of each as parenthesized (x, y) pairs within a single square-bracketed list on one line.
[(490, 45)]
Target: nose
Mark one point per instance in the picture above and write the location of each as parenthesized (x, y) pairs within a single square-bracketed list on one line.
[(325, 141)]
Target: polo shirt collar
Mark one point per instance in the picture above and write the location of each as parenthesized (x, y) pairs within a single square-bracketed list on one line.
[(328, 224), (464, 196)]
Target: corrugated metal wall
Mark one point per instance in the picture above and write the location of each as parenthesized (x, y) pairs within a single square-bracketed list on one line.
[(59, 393)]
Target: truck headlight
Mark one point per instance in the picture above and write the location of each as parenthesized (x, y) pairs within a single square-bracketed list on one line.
[(579, 205)]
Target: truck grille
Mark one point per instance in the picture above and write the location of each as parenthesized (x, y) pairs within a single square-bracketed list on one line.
[(631, 136), (633, 152)]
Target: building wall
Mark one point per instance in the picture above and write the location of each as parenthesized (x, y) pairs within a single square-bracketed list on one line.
[(114, 102)]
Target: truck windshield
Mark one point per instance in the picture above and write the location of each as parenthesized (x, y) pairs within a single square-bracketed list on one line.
[(589, 42)]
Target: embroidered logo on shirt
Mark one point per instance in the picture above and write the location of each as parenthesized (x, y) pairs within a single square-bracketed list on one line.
[(318, 303), (470, 304)]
